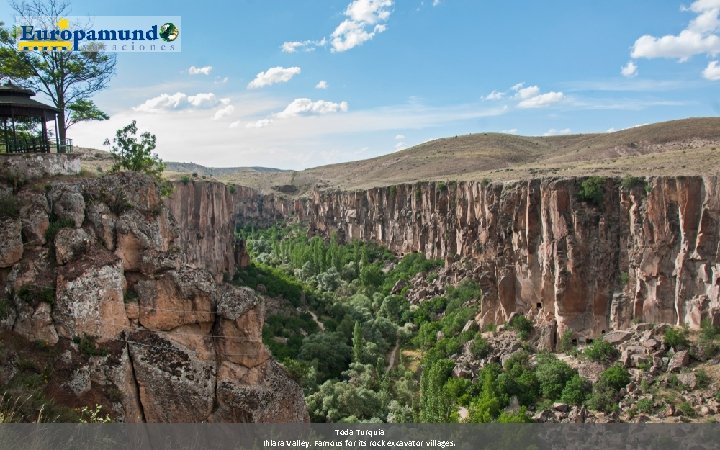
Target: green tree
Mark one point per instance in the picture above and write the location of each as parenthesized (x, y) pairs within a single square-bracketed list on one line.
[(69, 79), (553, 375), (435, 406), (358, 343), (131, 153)]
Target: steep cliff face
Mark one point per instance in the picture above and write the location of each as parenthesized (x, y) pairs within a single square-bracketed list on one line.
[(648, 252), (129, 305)]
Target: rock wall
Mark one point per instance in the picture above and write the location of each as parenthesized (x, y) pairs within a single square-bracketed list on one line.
[(102, 272), (650, 252)]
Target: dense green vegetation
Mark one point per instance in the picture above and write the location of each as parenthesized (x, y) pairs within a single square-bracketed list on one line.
[(344, 328)]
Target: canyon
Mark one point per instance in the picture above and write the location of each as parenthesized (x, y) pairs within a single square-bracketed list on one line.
[(128, 290), (648, 252)]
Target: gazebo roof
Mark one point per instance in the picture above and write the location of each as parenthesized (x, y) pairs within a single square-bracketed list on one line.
[(16, 102)]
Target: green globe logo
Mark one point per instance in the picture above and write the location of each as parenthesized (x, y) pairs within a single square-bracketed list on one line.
[(169, 32)]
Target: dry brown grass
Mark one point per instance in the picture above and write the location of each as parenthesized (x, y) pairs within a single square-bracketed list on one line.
[(682, 147)]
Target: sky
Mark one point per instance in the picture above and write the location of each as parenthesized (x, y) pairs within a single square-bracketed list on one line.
[(297, 84)]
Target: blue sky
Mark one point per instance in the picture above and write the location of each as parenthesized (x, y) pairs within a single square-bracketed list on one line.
[(246, 88)]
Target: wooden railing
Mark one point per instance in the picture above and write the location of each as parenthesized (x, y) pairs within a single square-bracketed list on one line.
[(35, 145)]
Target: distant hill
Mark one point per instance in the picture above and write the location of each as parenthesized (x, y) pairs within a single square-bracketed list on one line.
[(680, 147)]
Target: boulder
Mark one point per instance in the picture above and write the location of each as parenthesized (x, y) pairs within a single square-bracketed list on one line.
[(617, 337), (241, 314), (68, 204), (90, 301), (70, 244), (679, 360), (174, 299), (11, 244), (34, 217), (688, 379), (173, 383), (103, 222), (35, 323)]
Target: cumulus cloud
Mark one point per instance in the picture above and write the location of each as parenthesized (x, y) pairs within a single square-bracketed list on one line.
[(699, 37), (178, 101), (554, 132), (365, 19), (530, 96), (436, 2), (205, 70), (163, 102), (541, 100), (399, 137), (273, 75), (207, 100), (306, 107), (495, 95), (712, 71), (223, 112), (629, 70), (322, 84)]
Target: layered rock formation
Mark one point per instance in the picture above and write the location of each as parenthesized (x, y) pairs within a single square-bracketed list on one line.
[(648, 252), (102, 272)]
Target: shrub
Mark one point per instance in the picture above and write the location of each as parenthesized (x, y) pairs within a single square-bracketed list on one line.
[(702, 379), (521, 416), (88, 346), (601, 351), (55, 226), (592, 190), (645, 406), (686, 409), (630, 182), (553, 375), (624, 278), (9, 207), (185, 179), (32, 295), (566, 341), (522, 325), (575, 390), (232, 189), (676, 339), (616, 376), (708, 331), (479, 347)]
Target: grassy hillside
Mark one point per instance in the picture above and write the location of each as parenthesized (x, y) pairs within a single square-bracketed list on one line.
[(681, 147)]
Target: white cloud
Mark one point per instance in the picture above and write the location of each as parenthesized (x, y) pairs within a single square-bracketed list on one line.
[(400, 146), (305, 106), (223, 112), (527, 92), (234, 124), (259, 123), (207, 100), (683, 46), (221, 80), (629, 70), (200, 70), (530, 96), (495, 95), (178, 101), (436, 2), (399, 137), (163, 102), (272, 76), (365, 19), (510, 131), (306, 46), (697, 38), (322, 84), (712, 71), (541, 100), (554, 132)]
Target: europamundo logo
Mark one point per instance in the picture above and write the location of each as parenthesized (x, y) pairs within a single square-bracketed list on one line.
[(133, 34)]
